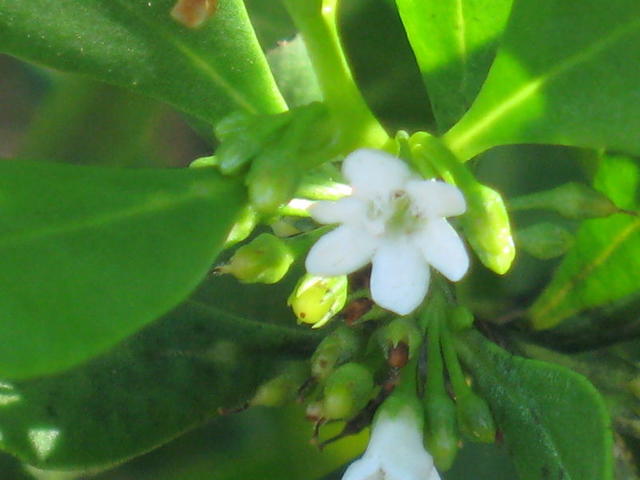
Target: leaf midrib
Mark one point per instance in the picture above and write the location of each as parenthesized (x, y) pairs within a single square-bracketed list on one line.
[(459, 142), (99, 221)]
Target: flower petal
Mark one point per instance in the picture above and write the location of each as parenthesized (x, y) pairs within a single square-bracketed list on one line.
[(341, 251), (364, 469), (435, 198), (346, 210), (443, 249), (373, 173), (400, 276)]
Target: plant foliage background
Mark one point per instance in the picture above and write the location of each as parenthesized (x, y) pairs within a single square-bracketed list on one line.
[(115, 368)]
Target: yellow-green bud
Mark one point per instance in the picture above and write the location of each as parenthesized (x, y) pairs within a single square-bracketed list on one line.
[(544, 240), (441, 435), (571, 200), (400, 330), (460, 318), (486, 221), (338, 347), (475, 418), (281, 389), (266, 259), (245, 223), (211, 161), (315, 300), (347, 391)]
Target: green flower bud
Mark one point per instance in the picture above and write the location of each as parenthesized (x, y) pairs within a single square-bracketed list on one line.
[(441, 435), (402, 330), (475, 418), (544, 240), (460, 318), (266, 259), (244, 138), (486, 221), (281, 389), (315, 300), (233, 123), (347, 391), (243, 227), (211, 161), (338, 347), (571, 200)]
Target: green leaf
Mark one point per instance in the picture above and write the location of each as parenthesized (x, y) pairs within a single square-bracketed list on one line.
[(294, 74), (207, 72), (90, 123), (604, 263), (89, 255), (566, 73), (168, 378), (554, 421), (454, 43)]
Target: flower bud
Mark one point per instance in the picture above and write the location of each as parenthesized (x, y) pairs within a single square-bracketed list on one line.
[(571, 200), (243, 138), (245, 223), (460, 318), (211, 161), (281, 389), (338, 347), (402, 330), (475, 418), (544, 240), (486, 221), (315, 300), (266, 259), (346, 391), (441, 436)]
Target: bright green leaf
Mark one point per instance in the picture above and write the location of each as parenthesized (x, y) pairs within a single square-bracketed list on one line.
[(454, 43), (170, 377), (566, 73), (136, 44), (604, 263), (554, 421), (89, 255)]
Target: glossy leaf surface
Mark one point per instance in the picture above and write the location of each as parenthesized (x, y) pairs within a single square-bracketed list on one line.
[(454, 43), (89, 255), (207, 72), (604, 263), (566, 73), (170, 377), (554, 421)]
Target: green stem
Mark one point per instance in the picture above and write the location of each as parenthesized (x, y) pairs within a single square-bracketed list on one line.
[(456, 375), (432, 316), (316, 20)]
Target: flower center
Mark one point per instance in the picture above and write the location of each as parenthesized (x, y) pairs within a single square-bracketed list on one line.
[(393, 216)]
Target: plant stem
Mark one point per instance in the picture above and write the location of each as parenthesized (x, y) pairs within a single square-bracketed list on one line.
[(456, 375), (432, 316), (357, 126)]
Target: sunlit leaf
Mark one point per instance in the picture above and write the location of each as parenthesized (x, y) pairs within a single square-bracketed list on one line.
[(604, 263), (136, 44), (566, 73), (454, 43)]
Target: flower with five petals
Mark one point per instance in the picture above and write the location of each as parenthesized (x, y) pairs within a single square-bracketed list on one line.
[(395, 220)]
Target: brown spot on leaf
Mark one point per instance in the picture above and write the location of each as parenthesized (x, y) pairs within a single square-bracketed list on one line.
[(193, 13)]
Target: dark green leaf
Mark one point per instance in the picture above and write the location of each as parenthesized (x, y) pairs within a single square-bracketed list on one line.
[(454, 43), (136, 44), (554, 421), (604, 263), (89, 255), (170, 377), (566, 73)]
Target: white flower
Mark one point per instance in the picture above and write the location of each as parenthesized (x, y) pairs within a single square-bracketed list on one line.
[(395, 451), (395, 220)]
